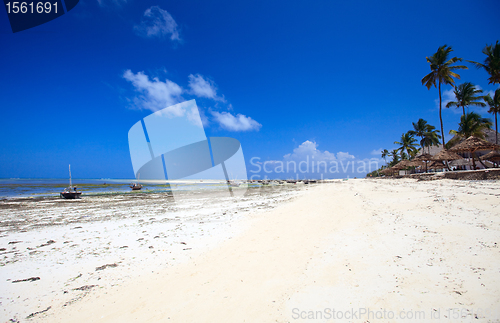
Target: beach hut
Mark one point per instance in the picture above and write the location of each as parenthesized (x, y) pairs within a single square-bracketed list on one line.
[(472, 145), (388, 171), (405, 164), (436, 165), (424, 158), (446, 156)]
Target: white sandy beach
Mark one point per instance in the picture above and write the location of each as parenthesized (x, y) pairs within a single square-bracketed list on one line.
[(358, 247)]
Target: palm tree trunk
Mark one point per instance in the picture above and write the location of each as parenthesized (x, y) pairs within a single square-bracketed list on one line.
[(463, 109), (440, 117), (496, 129)]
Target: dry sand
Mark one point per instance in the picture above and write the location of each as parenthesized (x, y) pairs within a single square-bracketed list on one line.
[(358, 247)]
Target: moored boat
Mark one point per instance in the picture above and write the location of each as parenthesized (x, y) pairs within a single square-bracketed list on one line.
[(70, 192)]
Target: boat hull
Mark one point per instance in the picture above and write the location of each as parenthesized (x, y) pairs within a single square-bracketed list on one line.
[(70, 195)]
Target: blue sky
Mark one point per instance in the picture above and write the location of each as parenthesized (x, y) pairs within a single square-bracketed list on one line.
[(331, 79)]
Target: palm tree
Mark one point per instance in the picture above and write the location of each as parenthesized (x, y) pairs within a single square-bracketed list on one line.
[(431, 138), (385, 153), (491, 62), (407, 144), (442, 72), (494, 104), (395, 157), (428, 134), (465, 95), (471, 124)]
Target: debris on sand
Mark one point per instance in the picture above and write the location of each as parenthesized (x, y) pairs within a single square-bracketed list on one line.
[(31, 279), (14, 242), (106, 266), (39, 312), (85, 287), (48, 243)]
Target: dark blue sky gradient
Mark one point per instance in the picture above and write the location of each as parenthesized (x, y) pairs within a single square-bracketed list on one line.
[(344, 74)]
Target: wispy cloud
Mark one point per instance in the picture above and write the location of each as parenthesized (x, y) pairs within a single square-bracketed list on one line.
[(154, 94), (239, 122), (157, 22), (204, 88), (377, 152)]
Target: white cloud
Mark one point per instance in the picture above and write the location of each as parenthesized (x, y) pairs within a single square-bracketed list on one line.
[(157, 22), (155, 94), (203, 88), (239, 122), (449, 96), (309, 149), (377, 152), (446, 97)]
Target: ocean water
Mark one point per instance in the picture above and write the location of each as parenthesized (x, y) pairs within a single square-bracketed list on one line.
[(50, 187)]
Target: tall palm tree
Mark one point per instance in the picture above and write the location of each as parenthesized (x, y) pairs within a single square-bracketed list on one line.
[(491, 62), (385, 153), (442, 72), (407, 145), (465, 95), (494, 104), (428, 134)]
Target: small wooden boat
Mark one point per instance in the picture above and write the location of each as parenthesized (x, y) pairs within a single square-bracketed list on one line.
[(70, 192), (135, 187)]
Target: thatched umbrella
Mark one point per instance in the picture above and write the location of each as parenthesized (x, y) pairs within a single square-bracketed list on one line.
[(446, 156), (402, 164), (407, 163), (492, 156), (425, 158), (388, 171), (473, 144), (436, 165)]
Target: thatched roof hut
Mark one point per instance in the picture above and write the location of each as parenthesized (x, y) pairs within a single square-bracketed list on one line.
[(493, 156), (423, 157), (403, 164), (388, 171), (446, 155), (436, 165), (473, 144)]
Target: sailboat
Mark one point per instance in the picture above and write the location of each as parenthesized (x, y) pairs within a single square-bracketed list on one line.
[(70, 192), (136, 186)]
